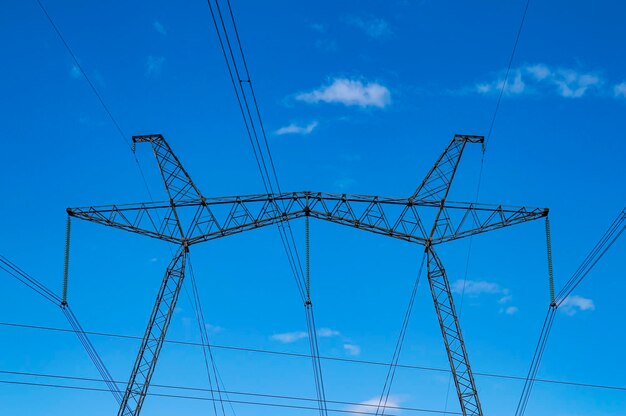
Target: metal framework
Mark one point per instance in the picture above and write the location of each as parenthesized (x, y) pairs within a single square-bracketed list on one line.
[(426, 218)]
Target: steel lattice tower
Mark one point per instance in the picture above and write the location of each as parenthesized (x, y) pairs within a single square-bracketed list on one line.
[(426, 218)]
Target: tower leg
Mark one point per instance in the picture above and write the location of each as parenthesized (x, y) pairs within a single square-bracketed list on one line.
[(452, 337), (160, 318)]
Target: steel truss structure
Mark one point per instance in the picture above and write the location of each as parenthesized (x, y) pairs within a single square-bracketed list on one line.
[(426, 218)]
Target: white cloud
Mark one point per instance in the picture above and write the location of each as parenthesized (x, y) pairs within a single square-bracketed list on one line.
[(154, 65), (505, 299), (368, 406), (477, 287), (75, 71), (572, 84), (318, 27), (344, 183), (573, 304), (352, 349), (542, 79), (619, 90), (349, 92), (511, 310), (213, 329), (289, 337), (373, 27), (153, 260), (296, 129), (327, 332), (158, 26)]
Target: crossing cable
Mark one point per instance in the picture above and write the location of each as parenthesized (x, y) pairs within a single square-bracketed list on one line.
[(602, 246), (23, 277), (207, 352), (240, 78), (96, 93), (391, 372), (308, 356), (310, 318), (247, 402), (241, 81), (200, 389), (482, 160)]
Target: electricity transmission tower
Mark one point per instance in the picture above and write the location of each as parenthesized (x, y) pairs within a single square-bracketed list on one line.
[(188, 217)]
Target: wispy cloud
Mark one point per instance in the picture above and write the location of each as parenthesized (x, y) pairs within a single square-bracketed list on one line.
[(574, 304), (619, 90), (154, 65), (373, 27), (542, 79), (368, 406), (158, 26), (318, 27), (510, 310), (291, 337), (327, 333), (349, 92), (213, 329), (297, 129), (352, 349), (476, 288), (344, 182), (75, 72)]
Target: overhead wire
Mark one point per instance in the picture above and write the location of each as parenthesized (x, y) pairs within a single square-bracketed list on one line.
[(246, 402), (391, 372), (207, 351), (482, 162), (96, 93), (73, 321), (23, 277), (611, 235), (241, 81), (308, 356)]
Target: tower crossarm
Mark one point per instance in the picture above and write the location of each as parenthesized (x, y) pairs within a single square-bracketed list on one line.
[(463, 219), (177, 181), (153, 219), (436, 184)]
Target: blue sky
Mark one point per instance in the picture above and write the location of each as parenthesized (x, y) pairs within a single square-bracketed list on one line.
[(357, 97)]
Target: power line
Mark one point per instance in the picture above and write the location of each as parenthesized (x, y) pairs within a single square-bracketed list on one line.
[(508, 70), (96, 93), (247, 402), (242, 85), (327, 358)]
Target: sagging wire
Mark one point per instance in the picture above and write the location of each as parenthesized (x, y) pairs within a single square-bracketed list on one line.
[(13, 270), (611, 235), (391, 372)]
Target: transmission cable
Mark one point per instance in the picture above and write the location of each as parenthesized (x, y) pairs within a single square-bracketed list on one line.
[(241, 81), (391, 372), (23, 277), (611, 235), (482, 163), (247, 402), (96, 93), (308, 356)]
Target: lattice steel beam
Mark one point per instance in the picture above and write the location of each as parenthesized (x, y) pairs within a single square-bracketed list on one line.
[(426, 218)]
